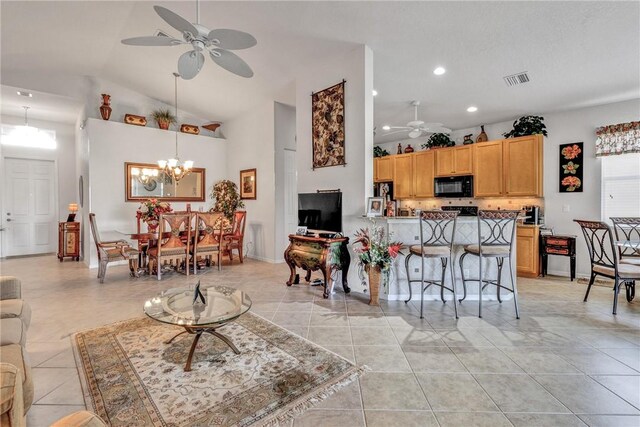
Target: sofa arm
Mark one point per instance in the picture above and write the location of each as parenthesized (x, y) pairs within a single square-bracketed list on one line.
[(10, 288), (80, 419), (11, 403)]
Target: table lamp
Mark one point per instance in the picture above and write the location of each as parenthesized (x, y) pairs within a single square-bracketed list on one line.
[(73, 208)]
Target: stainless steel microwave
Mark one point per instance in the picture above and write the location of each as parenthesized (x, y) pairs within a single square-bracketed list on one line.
[(454, 186)]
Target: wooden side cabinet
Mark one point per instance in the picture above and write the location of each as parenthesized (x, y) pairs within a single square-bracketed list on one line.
[(69, 240), (527, 250)]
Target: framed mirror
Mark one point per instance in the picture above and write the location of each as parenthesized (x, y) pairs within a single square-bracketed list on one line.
[(144, 181)]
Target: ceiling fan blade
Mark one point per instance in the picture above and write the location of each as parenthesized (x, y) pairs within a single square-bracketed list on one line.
[(232, 39), (400, 127), (231, 62), (190, 64), (415, 133), (152, 41), (438, 129), (394, 132), (175, 20)]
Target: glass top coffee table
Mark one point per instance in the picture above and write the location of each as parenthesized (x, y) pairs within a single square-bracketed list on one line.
[(177, 307)]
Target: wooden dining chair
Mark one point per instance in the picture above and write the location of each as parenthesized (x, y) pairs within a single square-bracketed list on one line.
[(208, 238), (111, 251), (235, 239), (171, 249)]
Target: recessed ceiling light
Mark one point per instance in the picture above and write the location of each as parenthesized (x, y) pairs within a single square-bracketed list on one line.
[(386, 127), (27, 94), (439, 71), (375, 92), (472, 109)]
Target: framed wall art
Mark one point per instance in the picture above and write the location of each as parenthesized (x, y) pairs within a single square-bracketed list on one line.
[(248, 184), (571, 168), (327, 127)]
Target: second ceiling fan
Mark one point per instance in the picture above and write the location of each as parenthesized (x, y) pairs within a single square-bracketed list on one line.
[(417, 128)]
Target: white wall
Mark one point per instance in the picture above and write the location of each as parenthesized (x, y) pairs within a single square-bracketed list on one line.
[(356, 177), (112, 144), (285, 139), (565, 127), (63, 155), (250, 140)]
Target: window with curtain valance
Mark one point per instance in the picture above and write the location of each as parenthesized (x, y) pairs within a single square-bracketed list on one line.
[(618, 139)]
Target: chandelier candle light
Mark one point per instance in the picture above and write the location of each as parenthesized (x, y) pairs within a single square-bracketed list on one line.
[(173, 167)]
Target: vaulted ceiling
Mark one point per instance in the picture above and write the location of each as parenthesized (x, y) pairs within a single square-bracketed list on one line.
[(576, 53)]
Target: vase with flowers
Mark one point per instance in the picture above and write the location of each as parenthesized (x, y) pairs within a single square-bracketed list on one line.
[(150, 210), (375, 254)]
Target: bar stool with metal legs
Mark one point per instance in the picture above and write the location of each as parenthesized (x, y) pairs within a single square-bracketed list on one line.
[(437, 229), (499, 229)]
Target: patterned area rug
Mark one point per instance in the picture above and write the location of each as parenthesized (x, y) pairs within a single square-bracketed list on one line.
[(130, 377)]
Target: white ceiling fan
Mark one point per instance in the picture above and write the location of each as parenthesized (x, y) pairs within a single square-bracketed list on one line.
[(417, 127), (218, 43)]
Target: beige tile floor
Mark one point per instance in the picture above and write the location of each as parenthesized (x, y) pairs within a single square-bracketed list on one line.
[(564, 363)]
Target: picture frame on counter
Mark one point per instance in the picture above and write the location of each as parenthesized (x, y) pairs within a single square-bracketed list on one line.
[(375, 206), (404, 212)]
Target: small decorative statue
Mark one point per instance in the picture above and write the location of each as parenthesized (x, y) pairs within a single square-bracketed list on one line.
[(399, 148), (197, 294), (467, 139), (409, 149)]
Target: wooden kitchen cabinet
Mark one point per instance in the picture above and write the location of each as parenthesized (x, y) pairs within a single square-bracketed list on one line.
[(522, 159), (527, 250), (383, 169), (488, 169), (423, 172), (403, 176), (454, 161)]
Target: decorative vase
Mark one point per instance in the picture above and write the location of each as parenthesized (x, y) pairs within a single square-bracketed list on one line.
[(105, 108), (399, 148), (409, 149), (375, 276), (467, 139), (483, 135), (152, 225), (163, 124)]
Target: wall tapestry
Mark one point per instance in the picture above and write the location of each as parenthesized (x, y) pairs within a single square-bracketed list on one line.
[(571, 167), (327, 126)]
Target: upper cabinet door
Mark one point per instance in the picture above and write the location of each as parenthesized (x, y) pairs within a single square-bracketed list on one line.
[(383, 169), (488, 172), (403, 176), (523, 166), (423, 172), (445, 163), (463, 160)]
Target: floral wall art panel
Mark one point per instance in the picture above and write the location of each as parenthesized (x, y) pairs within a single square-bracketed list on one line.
[(328, 126), (571, 167)]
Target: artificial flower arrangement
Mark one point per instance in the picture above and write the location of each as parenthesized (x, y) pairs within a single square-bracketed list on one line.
[(226, 198), (151, 209), (374, 249)]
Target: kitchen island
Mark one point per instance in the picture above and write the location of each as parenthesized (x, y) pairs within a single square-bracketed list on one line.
[(406, 230)]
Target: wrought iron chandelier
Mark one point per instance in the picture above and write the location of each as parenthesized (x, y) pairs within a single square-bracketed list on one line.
[(174, 168)]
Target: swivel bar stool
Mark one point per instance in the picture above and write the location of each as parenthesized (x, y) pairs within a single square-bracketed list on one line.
[(499, 227), (437, 229)]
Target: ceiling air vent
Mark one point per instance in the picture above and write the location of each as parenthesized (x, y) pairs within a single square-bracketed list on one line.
[(516, 79)]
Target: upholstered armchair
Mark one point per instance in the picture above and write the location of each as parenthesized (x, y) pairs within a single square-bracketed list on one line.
[(235, 239), (118, 250)]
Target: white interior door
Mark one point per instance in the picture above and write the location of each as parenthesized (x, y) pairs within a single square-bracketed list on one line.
[(290, 192), (29, 216)]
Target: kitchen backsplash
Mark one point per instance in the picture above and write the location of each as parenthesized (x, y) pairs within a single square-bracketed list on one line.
[(497, 203)]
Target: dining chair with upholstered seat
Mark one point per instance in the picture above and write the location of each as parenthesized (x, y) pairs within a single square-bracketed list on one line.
[(627, 229), (172, 249), (496, 238), (111, 251), (437, 230), (604, 260), (235, 239), (207, 242)]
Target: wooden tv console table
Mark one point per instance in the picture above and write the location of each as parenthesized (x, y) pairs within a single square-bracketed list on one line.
[(318, 253)]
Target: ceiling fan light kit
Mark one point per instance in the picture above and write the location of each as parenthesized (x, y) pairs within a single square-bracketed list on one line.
[(218, 43), (417, 128)]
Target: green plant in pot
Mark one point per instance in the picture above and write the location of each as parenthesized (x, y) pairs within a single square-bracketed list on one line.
[(438, 140), (527, 125), (164, 118), (379, 152)]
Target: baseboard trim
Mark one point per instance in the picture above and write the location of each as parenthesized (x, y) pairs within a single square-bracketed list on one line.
[(263, 259)]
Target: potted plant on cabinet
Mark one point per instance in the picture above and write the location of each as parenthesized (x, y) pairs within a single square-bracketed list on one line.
[(527, 125), (438, 140), (164, 118), (375, 254)]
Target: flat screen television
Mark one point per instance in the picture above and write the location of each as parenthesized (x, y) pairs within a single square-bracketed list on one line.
[(320, 211)]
